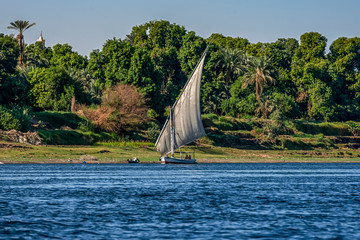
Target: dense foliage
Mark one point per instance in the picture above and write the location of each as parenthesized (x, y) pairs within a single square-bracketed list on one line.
[(17, 118), (287, 78)]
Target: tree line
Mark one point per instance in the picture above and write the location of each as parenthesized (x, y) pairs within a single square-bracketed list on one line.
[(287, 78)]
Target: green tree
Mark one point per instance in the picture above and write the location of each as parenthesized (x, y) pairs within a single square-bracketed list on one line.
[(237, 43), (142, 75), (163, 40), (309, 66), (53, 88), (96, 67), (213, 89), (13, 87), (91, 93), (258, 72), (117, 54), (344, 71), (281, 52), (232, 62), (167, 66), (256, 49), (190, 52), (63, 56), (322, 104), (20, 26), (110, 65), (157, 34), (286, 105), (9, 52), (241, 102), (164, 34), (37, 55)]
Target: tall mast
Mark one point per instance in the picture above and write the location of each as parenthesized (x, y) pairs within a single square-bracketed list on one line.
[(172, 132)]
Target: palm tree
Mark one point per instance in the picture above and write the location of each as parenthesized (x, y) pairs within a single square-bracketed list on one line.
[(86, 80), (264, 108), (21, 26), (258, 72), (232, 61)]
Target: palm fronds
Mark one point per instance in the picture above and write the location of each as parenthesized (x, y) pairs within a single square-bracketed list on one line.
[(258, 72), (20, 25)]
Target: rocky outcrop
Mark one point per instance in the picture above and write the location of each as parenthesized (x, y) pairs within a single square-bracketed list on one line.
[(32, 138)]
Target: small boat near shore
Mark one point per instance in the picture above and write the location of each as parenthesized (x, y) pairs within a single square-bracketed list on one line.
[(169, 160), (133, 160), (182, 158)]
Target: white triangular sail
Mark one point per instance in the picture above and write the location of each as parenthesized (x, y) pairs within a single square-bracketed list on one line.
[(186, 116)]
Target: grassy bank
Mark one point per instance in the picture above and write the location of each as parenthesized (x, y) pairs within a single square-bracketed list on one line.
[(69, 137), (63, 128), (118, 153)]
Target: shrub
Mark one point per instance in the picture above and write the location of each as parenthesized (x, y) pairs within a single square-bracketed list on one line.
[(86, 126), (17, 118), (23, 115), (152, 132), (354, 128), (286, 104), (151, 113), (229, 107), (8, 121), (122, 109), (247, 105)]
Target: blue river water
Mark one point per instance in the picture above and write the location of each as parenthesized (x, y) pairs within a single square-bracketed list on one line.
[(203, 201)]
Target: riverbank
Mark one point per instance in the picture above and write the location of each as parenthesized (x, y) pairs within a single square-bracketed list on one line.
[(61, 139), (14, 153)]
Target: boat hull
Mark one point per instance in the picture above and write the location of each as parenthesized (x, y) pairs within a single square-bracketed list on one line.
[(167, 160), (133, 160)]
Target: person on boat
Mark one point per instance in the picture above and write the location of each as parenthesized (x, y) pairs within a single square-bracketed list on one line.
[(187, 157)]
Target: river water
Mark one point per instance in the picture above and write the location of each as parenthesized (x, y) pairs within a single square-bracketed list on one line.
[(203, 201)]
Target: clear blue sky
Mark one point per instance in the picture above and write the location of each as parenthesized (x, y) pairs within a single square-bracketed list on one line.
[(87, 24)]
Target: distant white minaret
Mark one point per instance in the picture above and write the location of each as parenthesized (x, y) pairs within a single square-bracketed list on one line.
[(41, 40)]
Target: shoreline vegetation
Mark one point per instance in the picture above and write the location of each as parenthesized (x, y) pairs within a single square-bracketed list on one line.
[(228, 140), (284, 101), (17, 153)]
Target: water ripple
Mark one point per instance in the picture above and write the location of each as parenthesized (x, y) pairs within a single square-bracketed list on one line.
[(204, 201)]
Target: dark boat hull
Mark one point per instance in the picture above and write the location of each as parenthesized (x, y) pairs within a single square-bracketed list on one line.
[(133, 160), (167, 160)]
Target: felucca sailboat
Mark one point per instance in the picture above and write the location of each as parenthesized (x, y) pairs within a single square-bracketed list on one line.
[(183, 124)]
